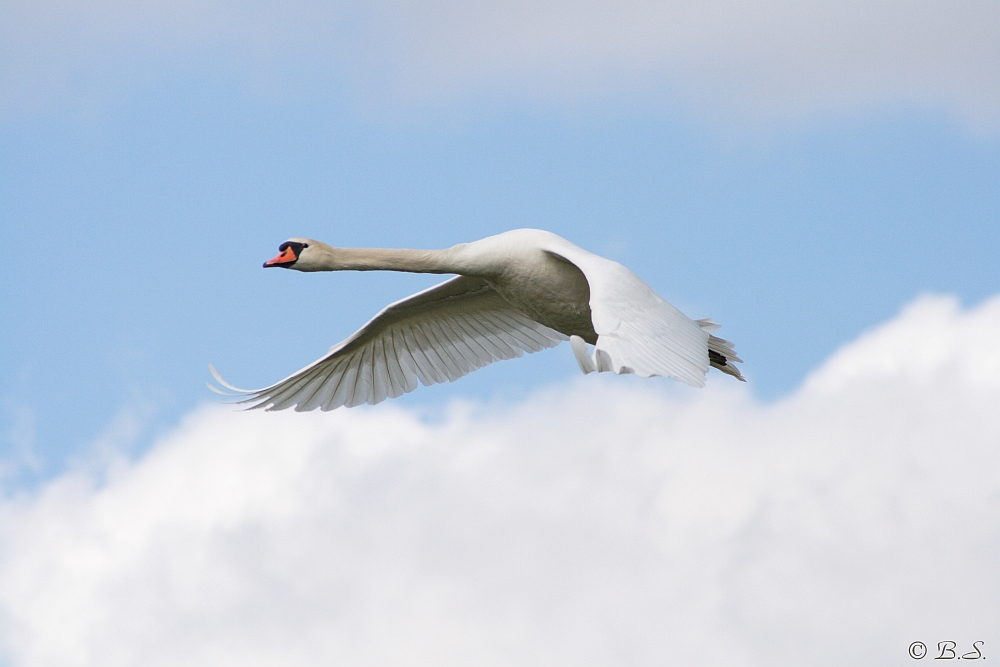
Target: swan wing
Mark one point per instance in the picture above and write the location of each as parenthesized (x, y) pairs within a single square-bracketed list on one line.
[(437, 335), (637, 330)]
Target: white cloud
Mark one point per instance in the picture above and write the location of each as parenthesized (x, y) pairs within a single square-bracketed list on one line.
[(729, 58), (610, 522)]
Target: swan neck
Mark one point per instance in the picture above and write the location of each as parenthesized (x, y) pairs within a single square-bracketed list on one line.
[(387, 259)]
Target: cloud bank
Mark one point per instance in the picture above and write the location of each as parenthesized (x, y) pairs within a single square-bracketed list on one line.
[(606, 523), (728, 58)]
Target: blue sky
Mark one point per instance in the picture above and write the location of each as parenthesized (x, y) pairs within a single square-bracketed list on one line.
[(143, 180)]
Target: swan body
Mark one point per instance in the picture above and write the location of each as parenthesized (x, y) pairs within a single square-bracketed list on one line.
[(521, 291)]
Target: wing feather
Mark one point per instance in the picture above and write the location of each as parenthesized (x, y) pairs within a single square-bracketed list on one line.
[(398, 368), (494, 344), (457, 363), (345, 382), (311, 391), (490, 344), (328, 388), (292, 388), (322, 393), (429, 348), (437, 335), (464, 343), (505, 336), (382, 384), (521, 334), (407, 366), (363, 382), (452, 362), (426, 372)]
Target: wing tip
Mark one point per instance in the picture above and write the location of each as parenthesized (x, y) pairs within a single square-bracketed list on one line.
[(213, 388), (220, 380), (253, 397)]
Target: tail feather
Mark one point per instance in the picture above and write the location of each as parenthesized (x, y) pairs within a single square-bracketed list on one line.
[(721, 353)]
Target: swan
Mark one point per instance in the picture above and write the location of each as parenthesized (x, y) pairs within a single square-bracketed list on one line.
[(520, 291)]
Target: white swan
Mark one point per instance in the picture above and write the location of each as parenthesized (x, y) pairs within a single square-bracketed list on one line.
[(520, 291)]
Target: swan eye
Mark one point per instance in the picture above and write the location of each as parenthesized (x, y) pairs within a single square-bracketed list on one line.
[(294, 245)]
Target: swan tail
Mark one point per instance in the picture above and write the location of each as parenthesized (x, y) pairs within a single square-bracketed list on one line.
[(721, 353)]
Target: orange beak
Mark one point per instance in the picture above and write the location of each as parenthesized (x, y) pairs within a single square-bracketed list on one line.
[(287, 256)]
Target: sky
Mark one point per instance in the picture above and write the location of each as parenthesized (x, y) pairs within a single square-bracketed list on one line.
[(821, 180)]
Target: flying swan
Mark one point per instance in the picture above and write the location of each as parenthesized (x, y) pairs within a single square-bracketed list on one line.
[(521, 291)]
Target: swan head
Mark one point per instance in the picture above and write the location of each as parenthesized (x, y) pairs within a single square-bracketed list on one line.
[(298, 254)]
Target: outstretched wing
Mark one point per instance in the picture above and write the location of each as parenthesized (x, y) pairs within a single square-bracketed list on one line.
[(637, 330), (437, 335)]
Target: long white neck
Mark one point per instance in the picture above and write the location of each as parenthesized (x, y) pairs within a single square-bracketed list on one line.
[(386, 259)]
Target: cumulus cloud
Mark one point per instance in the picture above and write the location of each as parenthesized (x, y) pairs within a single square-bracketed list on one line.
[(726, 57), (609, 522)]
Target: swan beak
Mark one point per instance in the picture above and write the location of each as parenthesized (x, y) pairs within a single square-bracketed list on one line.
[(286, 258)]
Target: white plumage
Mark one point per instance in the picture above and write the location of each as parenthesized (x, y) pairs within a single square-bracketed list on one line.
[(521, 291)]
